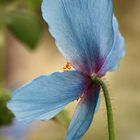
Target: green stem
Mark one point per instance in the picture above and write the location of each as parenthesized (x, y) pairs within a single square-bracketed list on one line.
[(111, 128)]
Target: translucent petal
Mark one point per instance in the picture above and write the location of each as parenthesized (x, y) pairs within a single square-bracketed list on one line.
[(46, 95), (117, 52), (82, 29), (83, 115)]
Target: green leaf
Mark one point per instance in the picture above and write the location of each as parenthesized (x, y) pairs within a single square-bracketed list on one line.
[(26, 27), (6, 116)]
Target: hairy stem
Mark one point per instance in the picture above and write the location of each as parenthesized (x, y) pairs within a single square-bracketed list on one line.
[(111, 128)]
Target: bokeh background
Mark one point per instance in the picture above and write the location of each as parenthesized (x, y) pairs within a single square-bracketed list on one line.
[(27, 50)]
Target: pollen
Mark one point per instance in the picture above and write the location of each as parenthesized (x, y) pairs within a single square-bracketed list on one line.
[(67, 67)]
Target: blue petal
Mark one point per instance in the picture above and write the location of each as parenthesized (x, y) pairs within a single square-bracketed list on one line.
[(83, 115), (83, 30), (117, 52), (46, 96)]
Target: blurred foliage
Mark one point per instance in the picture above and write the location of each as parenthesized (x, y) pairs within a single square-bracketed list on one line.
[(23, 19), (62, 118), (6, 116), (33, 4), (1, 58), (26, 28)]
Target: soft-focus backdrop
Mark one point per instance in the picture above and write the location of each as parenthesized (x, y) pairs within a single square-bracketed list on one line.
[(27, 50)]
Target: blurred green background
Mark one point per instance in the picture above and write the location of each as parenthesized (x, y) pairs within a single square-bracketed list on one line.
[(27, 50)]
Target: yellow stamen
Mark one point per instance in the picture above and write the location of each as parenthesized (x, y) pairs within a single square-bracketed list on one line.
[(67, 67)]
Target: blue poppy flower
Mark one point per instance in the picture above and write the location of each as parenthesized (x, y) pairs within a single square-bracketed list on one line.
[(86, 33)]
